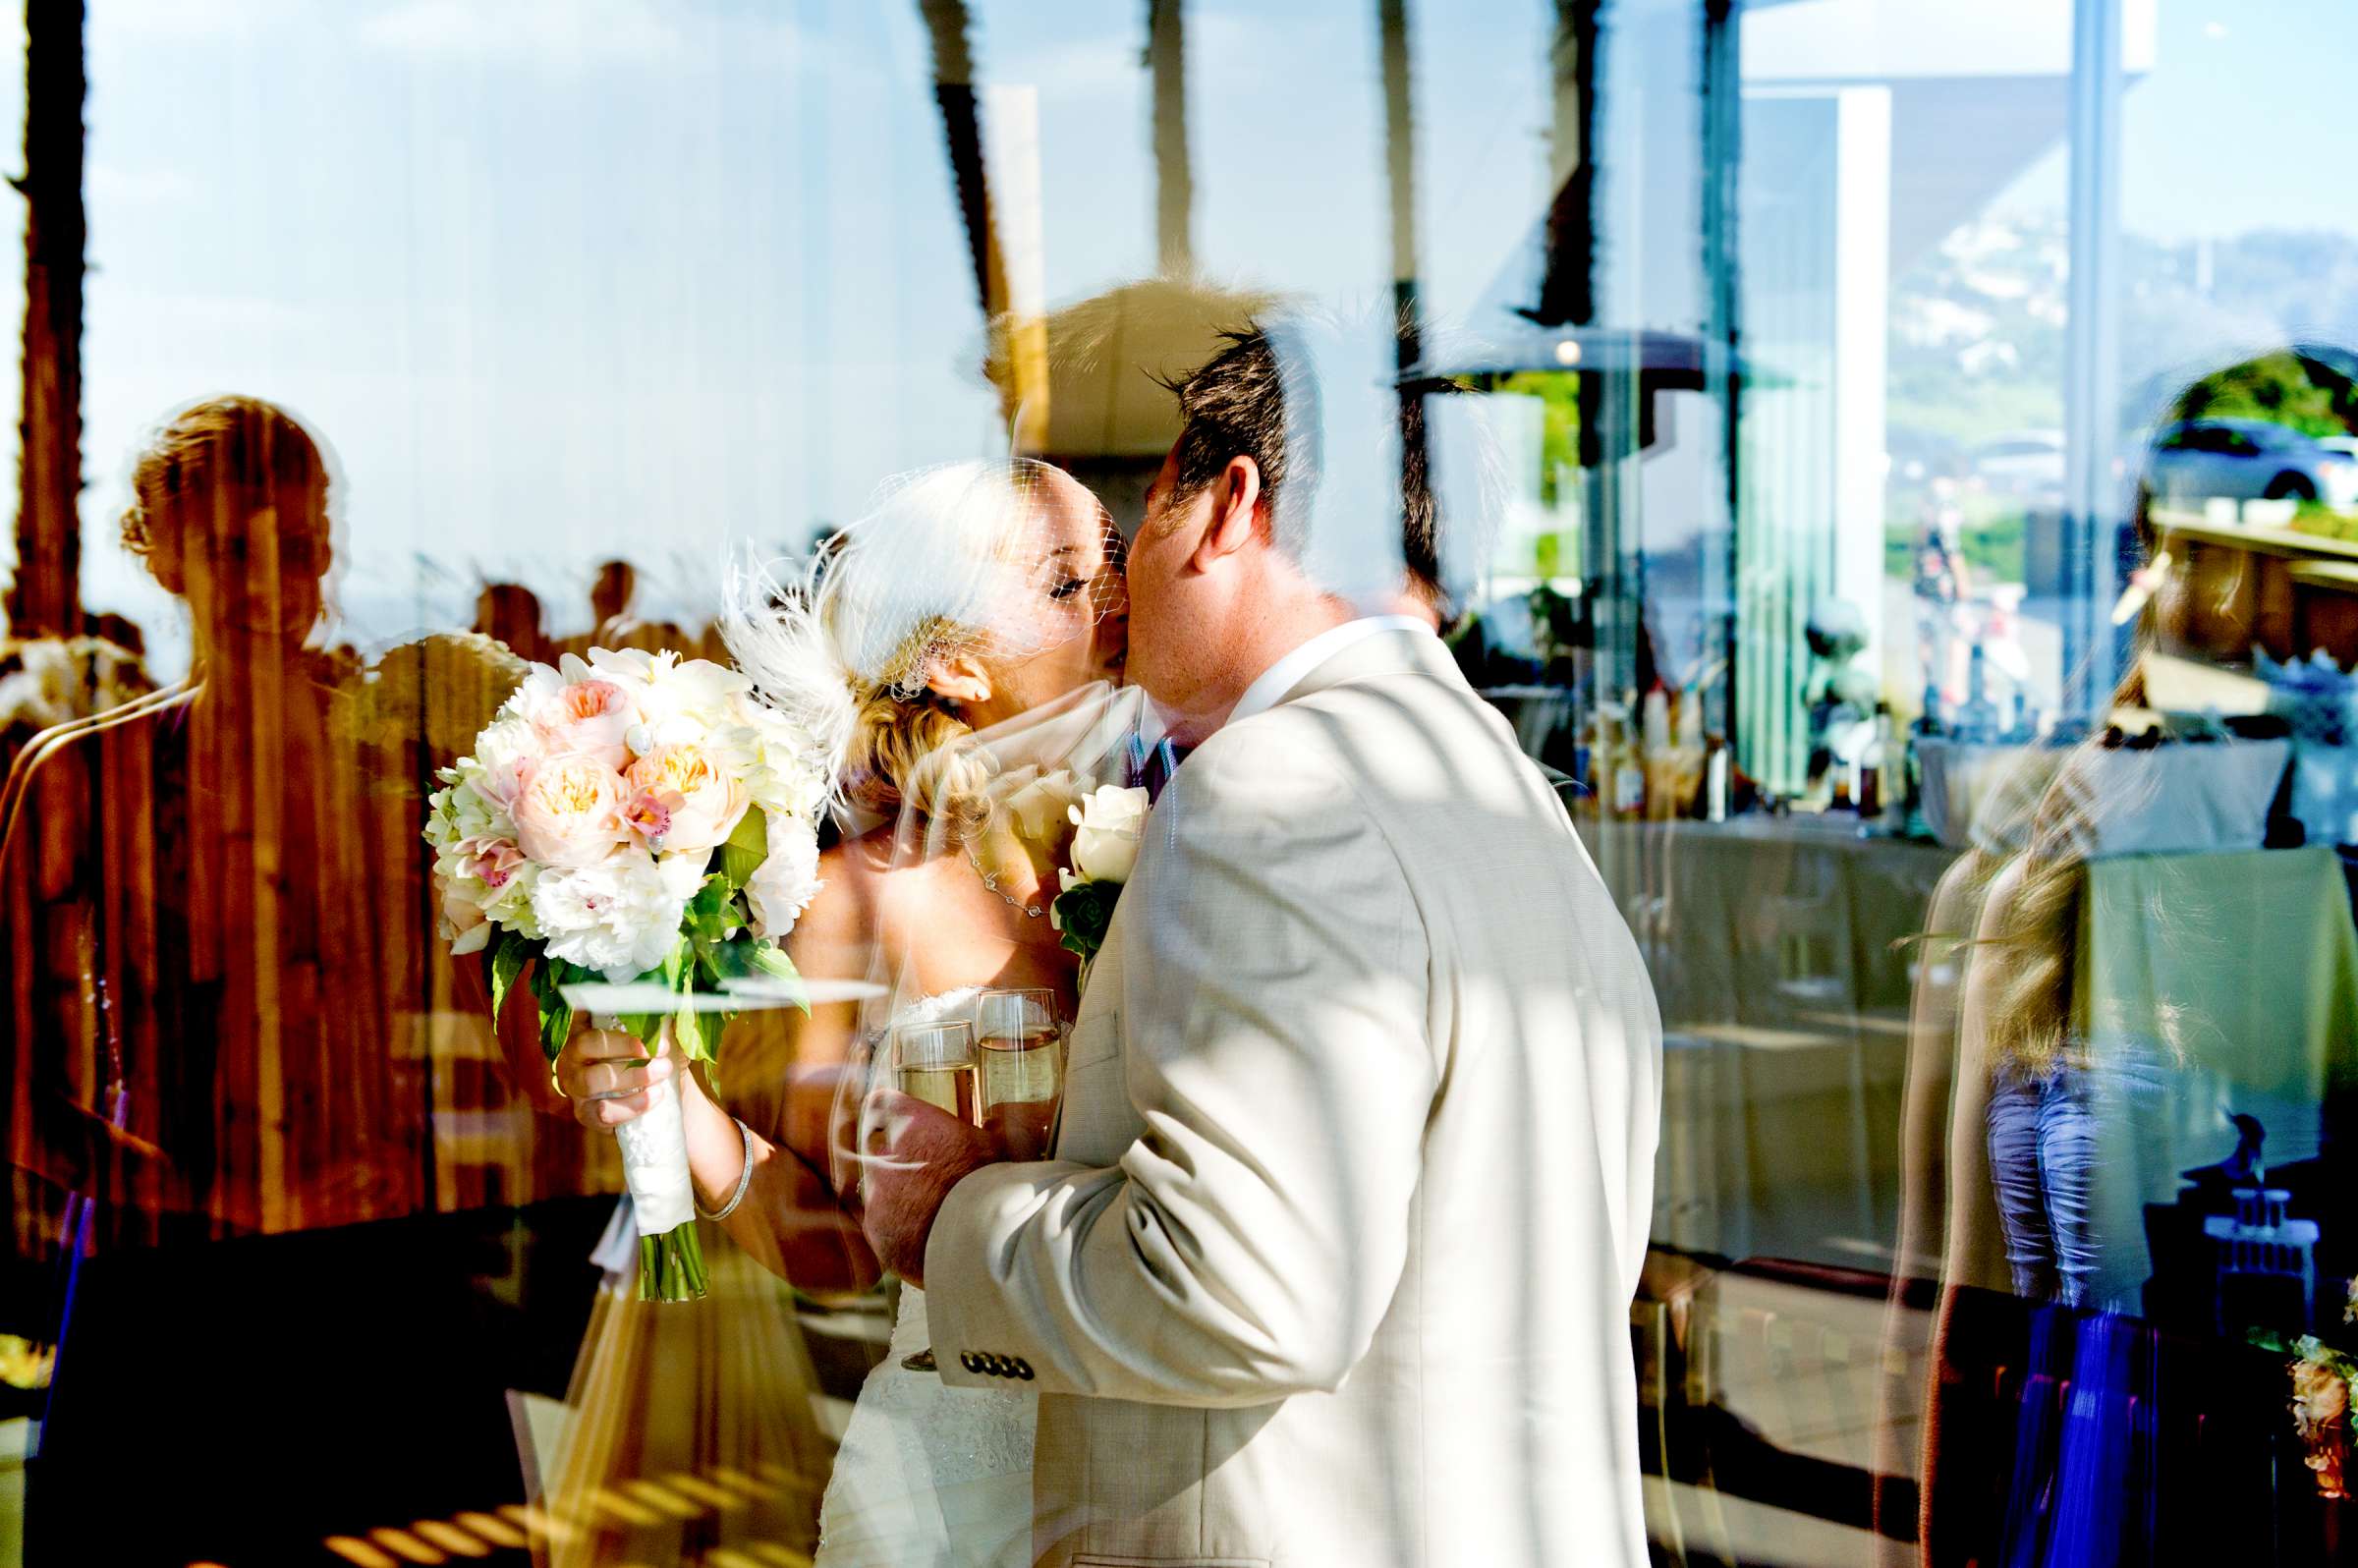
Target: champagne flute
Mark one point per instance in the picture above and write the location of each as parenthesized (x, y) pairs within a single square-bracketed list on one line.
[(936, 1063), (1022, 1066)]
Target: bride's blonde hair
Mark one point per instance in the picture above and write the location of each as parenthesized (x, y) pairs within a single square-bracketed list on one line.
[(910, 748), (939, 566)]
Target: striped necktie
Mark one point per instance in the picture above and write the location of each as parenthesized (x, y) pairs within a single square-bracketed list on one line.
[(1153, 765)]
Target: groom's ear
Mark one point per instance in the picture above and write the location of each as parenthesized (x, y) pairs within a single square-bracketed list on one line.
[(960, 677), (1235, 513)]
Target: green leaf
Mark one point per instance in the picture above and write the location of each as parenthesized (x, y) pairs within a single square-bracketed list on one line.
[(748, 847), (688, 1031), (706, 919), (557, 1012), (649, 1027), (747, 958), (504, 961)]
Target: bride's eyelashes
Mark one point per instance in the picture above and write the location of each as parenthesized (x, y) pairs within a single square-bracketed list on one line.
[(1067, 589)]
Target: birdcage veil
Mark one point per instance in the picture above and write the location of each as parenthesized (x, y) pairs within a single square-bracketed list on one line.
[(1006, 559)]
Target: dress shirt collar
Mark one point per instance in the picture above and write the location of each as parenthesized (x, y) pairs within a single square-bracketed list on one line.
[(1268, 689)]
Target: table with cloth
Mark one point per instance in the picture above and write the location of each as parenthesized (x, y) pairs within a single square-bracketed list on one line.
[(1781, 953)]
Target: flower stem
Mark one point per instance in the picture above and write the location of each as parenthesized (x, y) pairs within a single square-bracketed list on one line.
[(671, 1267)]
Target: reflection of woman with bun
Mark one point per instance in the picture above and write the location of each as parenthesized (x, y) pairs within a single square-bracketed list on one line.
[(172, 835), (214, 896)]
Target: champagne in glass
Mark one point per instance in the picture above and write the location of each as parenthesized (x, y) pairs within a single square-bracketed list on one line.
[(936, 1063), (1022, 1066)]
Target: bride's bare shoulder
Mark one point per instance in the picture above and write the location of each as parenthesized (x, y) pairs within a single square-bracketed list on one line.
[(862, 874)]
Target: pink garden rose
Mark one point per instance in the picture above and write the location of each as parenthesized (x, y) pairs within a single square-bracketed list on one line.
[(591, 717), (679, 798), (569, 813)]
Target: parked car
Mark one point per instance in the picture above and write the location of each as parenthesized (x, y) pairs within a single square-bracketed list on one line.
[(2245, 459), (2027, 464)]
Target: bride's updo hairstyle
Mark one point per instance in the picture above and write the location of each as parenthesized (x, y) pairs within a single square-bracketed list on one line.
[(947, 561)]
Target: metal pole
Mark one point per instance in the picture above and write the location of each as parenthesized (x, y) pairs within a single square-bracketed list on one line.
[(2092, 498)]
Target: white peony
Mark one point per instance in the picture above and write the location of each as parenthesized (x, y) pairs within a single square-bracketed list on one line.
[(678, 701), (1107, 827), (777, 757), (538, 689), (621, 915), (787, 879)]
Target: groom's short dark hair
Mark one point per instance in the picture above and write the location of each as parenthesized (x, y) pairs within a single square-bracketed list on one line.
[(1234, 405)]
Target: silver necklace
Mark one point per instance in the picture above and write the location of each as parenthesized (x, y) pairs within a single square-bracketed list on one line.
[(991, 882)]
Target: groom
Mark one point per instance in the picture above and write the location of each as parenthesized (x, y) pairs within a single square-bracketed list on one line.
[(1334, 1260)]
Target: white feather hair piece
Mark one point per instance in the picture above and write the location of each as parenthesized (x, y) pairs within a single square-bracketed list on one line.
[(776, 632), (950, 553)]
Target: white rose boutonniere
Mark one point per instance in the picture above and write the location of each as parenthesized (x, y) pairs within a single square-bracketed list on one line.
[(1106, 826)]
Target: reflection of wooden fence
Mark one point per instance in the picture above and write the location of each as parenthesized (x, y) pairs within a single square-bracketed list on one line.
[(236, 1014)]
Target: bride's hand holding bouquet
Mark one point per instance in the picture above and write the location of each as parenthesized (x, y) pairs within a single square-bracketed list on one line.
[(634, 819)]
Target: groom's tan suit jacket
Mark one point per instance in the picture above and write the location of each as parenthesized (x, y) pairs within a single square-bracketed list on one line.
[(1335, 1261)]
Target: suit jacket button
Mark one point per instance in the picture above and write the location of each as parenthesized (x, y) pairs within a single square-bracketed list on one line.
[(1023, 1369)]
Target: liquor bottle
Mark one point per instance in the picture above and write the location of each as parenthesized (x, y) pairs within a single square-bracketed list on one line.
[(1925, 726), (1624, 765), (1718, 785), (2023, 729), (1875, 795), (1977, 721)]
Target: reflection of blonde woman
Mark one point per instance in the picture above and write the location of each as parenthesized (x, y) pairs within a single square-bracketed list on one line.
[(2037, 1205), (956, 649), (218, 1036)]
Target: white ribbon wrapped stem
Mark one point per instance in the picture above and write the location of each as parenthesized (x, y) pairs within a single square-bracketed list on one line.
[(654, 1158)]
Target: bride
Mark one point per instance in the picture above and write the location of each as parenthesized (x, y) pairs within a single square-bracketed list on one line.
[(957, 652)]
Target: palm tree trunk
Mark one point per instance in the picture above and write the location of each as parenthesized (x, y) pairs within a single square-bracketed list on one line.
[(1400, 158), (46, 596), (1174, 183), (948, 25)]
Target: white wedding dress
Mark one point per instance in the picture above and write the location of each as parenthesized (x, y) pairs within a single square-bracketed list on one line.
[(930, 1475)]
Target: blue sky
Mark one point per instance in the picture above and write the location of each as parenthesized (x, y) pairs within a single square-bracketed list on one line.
[(560, 279), (563, 280)]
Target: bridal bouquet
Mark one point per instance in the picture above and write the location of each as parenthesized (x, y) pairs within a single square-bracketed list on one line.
[(641, 819)]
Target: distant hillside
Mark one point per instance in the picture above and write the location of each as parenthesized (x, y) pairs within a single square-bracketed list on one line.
[(1977, 325)]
